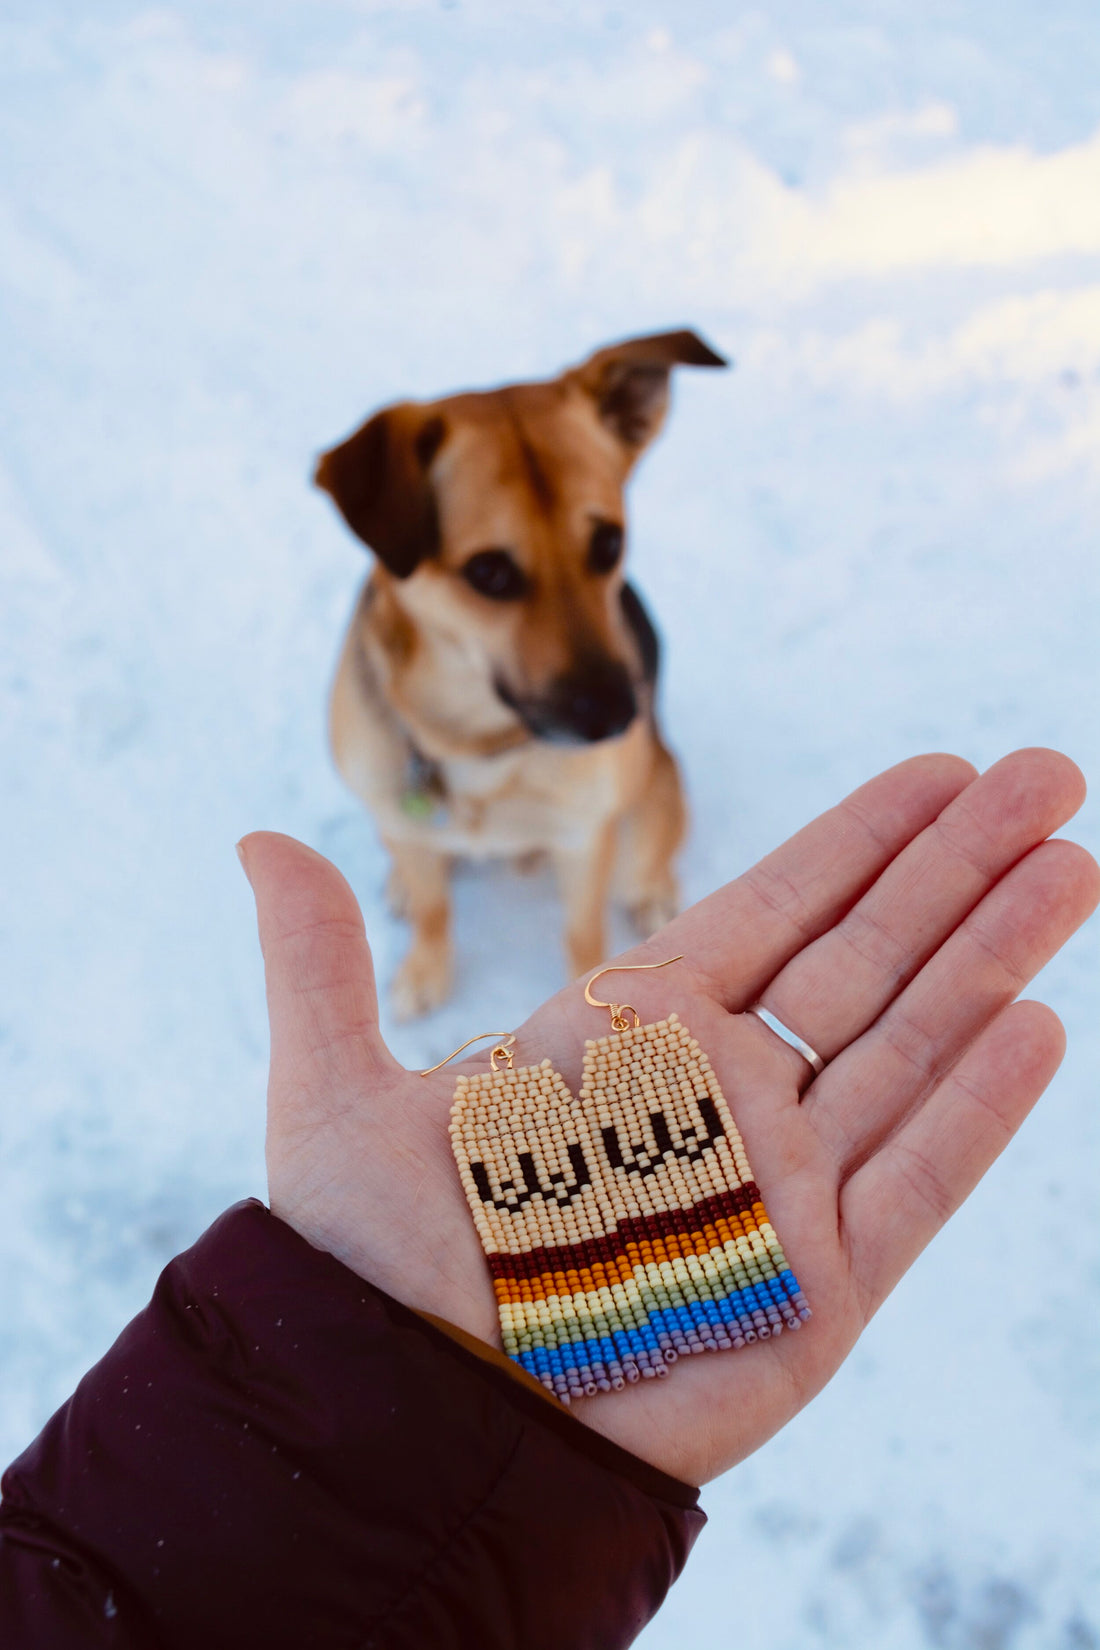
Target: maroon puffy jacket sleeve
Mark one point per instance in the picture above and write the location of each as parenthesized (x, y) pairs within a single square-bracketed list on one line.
[(275, 1453)]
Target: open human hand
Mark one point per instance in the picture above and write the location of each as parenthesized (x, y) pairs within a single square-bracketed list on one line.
[(893, 934)]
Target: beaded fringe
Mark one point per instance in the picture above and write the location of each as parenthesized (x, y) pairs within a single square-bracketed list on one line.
[(623, 1230)]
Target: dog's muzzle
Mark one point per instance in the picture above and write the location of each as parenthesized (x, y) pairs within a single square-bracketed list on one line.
[(595, 701)]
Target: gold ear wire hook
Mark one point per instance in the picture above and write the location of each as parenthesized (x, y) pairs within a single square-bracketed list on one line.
[(619, 1011), (505, 1048)]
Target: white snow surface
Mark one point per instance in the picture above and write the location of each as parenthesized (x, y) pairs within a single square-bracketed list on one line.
[(227, 232)]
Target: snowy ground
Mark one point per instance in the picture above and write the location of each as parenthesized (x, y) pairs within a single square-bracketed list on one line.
[(227, 232)]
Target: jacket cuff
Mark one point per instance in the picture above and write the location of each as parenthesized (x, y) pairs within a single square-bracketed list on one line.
[(534, 1400)]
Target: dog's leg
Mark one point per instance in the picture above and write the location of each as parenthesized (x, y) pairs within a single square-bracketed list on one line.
[(420, 878), (397, 898), (652, 832), (584, 877)]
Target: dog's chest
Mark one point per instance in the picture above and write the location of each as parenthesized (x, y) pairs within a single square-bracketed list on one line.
[(527, 799)]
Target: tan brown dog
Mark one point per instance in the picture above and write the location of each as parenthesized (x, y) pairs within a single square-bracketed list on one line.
[(495, 691)]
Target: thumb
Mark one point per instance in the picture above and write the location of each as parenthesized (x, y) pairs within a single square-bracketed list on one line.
[(321, 998)]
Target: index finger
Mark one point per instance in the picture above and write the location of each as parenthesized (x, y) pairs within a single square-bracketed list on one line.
[(740, 936)]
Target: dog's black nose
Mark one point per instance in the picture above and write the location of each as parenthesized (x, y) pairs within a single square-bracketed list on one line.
[(595, 701)]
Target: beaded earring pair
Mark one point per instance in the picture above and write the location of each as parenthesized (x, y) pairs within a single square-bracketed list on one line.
[(623, 1229)]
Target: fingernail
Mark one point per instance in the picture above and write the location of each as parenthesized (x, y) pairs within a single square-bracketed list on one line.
[(244, 862)]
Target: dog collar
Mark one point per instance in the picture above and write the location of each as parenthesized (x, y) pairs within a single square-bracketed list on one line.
[(424, 793)]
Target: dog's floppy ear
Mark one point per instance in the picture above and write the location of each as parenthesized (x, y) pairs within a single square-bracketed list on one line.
[(629, 381), (379, 479)]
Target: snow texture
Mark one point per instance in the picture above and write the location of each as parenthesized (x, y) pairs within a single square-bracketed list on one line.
[(229, 231)]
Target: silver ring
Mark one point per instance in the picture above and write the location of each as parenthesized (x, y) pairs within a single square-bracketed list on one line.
[(788, 1036)]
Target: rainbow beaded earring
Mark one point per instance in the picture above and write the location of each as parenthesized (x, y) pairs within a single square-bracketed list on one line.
[(624, 1229)]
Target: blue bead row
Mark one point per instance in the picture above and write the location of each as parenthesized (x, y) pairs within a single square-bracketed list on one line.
[(577, 1357)]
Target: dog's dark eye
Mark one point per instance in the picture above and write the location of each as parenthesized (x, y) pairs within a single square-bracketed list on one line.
[(605, 546), (495, 574)]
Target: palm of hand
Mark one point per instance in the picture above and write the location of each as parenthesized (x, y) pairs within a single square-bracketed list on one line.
[(893, 932)]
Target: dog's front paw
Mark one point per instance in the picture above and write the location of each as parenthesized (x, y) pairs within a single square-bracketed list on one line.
[(422, 982)]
